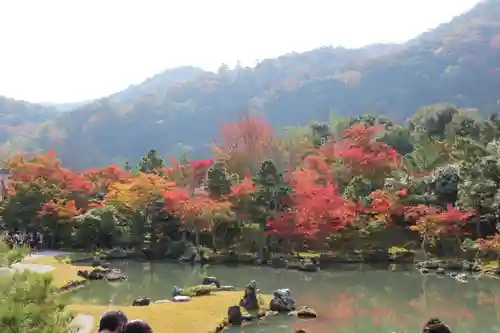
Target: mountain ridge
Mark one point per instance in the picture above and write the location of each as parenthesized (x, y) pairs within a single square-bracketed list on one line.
[(177, 111)]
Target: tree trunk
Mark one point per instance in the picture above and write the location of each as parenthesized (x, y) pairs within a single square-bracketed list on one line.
[(214, 242), (424, 246)]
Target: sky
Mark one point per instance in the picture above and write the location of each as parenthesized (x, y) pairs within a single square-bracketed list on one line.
[(73, 50)]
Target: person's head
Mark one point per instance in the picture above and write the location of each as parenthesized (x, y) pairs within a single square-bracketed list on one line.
[(137, 326), (112, 321), (435, 325)]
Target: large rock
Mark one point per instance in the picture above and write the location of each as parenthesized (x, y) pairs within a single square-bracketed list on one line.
[(102, 274), (116, 253), (210, 280), (278, 262), (142, 301), (304, 312), (282, 301), (250, 301)]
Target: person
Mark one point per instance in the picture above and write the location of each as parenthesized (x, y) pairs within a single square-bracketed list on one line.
[(435, 325), (137, 326), (112, 322)]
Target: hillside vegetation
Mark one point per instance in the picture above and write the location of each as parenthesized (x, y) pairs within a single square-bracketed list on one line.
[(178, 111)]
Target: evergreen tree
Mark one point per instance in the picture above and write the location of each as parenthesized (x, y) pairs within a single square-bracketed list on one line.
[(218, 182), (151, 162), (29, 302)]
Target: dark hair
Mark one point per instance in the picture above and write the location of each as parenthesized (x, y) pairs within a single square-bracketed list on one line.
[(137, 326), (435, 325), (112, 321)]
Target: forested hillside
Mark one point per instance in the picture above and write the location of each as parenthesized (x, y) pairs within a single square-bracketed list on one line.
[(178, 112), (19, 117)]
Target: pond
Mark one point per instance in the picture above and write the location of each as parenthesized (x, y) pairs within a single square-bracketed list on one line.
[(347, 300)]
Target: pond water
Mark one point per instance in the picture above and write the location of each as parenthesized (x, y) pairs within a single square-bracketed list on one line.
[(347, 300)]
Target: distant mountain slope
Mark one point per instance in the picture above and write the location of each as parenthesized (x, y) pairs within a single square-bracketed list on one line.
[(19, 117), (458, 62), (157, 84)]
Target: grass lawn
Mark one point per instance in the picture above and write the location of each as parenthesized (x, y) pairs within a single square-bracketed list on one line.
[(200, 315)]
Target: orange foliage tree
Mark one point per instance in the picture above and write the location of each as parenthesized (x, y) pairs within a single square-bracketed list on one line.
[(244, 144), (432, 223)]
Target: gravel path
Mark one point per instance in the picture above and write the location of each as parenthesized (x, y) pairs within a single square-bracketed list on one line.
[(82, 323), (36, 255)]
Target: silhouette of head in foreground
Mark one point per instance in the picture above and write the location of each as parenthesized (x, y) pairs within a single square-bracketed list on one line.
[(137, 326), (112, 322), (435, 325)]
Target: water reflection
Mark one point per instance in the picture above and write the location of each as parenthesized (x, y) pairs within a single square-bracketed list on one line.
[(346, 300)]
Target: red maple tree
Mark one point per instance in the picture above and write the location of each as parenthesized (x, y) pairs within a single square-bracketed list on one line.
[(318, 208), (361, 154)]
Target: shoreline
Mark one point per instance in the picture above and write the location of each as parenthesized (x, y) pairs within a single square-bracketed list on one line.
[(201, 314)]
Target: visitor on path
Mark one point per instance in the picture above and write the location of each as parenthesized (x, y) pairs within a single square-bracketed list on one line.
[(137, 326), (112, 322)]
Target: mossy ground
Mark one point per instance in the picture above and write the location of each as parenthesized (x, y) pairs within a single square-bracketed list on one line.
[(200, 315)]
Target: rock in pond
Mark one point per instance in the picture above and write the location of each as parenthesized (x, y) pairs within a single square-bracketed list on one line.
[(116, 253), (423, 270), (211, 280), (304, 313), (450, 265), (142, 301), (102, 274), (72, 284), (282, 301), (278, 262), (181, 298), (305, 265), (462, 278), (226, 288)]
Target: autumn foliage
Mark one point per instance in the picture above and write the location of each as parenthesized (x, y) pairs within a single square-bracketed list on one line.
[(307, 200)]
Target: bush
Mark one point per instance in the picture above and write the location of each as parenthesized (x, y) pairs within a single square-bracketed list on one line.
[(31, 304), (200, 290)]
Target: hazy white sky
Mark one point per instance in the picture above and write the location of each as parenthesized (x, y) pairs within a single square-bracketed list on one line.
[(72, 50)]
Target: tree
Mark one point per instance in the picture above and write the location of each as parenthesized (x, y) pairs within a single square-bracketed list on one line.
[(98, 227), (29, 302), (139, 195), (245, 144), (201, 212), (361, 155), (218, 182), (318, 207), (9, 256), (432, 223), (151, 162), (270, 188)]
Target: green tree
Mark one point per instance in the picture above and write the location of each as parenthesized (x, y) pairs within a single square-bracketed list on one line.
[(29, 302), (151, 162), (218, 182), (31, 305)]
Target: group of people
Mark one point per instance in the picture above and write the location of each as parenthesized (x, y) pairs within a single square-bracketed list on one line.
[(32, 239), (117, 322)]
